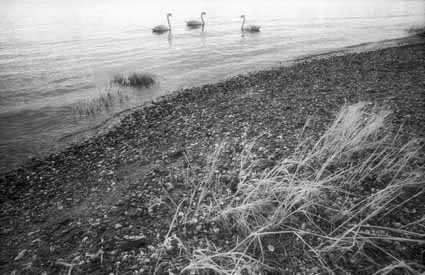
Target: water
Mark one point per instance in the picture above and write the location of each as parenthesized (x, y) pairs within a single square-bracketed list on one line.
[(54, 53)]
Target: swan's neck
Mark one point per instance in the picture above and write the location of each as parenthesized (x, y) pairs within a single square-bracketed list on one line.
[(243, 22), (169, 24), (202, 19)]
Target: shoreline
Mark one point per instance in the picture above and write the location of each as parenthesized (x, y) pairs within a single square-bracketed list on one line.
[(410, 40), (83, 136), (102, 189)]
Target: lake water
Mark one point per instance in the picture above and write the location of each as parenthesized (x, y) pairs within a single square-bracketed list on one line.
[(55, 54)]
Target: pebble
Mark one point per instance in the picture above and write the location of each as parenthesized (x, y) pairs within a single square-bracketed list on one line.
[(396, 224), (21, 255), (193, 221)]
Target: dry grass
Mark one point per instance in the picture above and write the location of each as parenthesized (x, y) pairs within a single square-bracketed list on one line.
[(338, 202)]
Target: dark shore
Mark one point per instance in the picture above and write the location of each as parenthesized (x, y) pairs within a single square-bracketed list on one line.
[(85, 207)]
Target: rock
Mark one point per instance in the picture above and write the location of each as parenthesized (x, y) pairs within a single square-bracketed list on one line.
[(396, 224), (176, 153), (193, 221), (132, 244), (198, 227), (21, 255), (33, 232)]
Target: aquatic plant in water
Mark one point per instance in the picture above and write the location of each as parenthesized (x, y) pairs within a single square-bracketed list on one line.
[(134, 80), (107, 101), (418, 31)]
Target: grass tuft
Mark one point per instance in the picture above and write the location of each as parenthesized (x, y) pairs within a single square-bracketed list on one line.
[(337, 204), (105, 102), (134, 80), (112, 97), (418, 31)]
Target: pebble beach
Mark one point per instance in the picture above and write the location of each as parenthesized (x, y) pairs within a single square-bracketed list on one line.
[(99, 195)]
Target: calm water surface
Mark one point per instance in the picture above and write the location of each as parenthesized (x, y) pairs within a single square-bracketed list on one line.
[(56, 53)]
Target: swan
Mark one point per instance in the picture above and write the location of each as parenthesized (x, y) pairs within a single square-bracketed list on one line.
[(163, 28), (249, 28), (197, 23)]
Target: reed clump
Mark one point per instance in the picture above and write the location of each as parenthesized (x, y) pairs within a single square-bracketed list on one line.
[(114, 96), (105, 102), (134, 80), (418, 31), (341, 203)]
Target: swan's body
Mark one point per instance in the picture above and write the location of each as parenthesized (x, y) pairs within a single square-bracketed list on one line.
[(163, 28), (249, 28), (196, 23)]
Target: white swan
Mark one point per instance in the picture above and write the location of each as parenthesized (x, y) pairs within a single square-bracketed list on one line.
[(197, 23), (249, 28), (163, 28)]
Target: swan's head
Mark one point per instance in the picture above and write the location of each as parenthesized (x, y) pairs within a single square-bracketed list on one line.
[(169, 14), (242, 16), (203, 13)]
